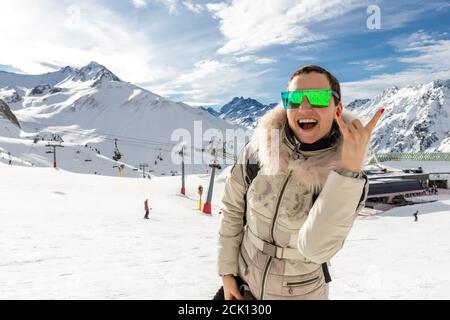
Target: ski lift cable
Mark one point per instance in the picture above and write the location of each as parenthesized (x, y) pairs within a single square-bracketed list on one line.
[(96, 134), (130, 140), (125, 138)]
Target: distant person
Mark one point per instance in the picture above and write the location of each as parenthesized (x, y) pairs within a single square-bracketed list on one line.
[(415, 216), (10, 160), (146, 209)]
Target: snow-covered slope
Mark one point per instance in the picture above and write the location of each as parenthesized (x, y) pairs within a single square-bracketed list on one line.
[(78, 236), (8, 79), (92, 106)]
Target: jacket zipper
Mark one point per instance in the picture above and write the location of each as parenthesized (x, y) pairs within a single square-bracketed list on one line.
[(245, 262), (297, 283), (278, 205), (266, 269), (265, 277)]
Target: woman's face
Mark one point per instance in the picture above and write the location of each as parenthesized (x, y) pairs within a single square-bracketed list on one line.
[(324, 116)]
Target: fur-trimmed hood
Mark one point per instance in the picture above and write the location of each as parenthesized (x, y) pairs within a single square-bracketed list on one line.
[(276, 154)]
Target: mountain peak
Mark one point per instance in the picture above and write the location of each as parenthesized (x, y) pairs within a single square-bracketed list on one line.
[(94, 64), (357, 103), (243, 111), (67, 70), (96, 72), (441, 83)]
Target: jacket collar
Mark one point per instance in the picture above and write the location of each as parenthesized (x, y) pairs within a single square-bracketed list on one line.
[(278, 152)]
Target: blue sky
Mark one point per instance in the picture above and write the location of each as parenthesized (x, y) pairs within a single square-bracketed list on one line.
[(206, 52)]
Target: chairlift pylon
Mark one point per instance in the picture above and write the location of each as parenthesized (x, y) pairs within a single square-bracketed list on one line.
[(117, 155)]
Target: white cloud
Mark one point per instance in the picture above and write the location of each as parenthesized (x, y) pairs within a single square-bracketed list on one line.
[(139, 3), (202, 69), (265, 60), (401, 14), (48, 34), (202, 104), (197, 8), (213, 80), (416, 39), (427, 57), (171, 5), (255, 59), (91, 32), (370, 65), (375, 66), (248, 27)]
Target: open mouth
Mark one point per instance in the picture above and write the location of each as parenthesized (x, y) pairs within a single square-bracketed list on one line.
[(307, 124)]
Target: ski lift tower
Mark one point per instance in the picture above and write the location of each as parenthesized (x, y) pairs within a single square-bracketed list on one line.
[(213, 165), (54, 145), (117, 155), (142, 166), (181, 153)]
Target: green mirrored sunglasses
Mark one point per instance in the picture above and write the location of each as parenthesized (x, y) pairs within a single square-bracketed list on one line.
[(318, 98)]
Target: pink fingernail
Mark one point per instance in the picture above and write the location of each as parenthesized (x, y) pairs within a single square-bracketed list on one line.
[(382, 110), (337, 113)]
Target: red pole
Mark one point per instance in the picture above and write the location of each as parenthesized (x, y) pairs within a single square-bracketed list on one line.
[(207, 208), (207, 205)]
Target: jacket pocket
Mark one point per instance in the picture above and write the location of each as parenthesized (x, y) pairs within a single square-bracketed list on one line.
[(301, 286), (299, 283)]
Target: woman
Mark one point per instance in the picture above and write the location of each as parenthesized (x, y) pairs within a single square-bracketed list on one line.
[(281, 227)]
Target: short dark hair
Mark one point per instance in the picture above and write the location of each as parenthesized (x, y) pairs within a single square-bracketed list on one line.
[(334, 83)]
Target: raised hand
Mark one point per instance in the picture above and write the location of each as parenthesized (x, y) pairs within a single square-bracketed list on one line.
[(356, 138)]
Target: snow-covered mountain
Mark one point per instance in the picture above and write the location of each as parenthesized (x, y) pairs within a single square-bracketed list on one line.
[(356, 103), (91, 107), (416, 118), (9, 125), (7, 115), (245, 112), (211, 110)]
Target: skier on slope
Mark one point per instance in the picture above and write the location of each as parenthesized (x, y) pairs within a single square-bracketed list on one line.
[(146, 208), (272, 238), (415, 215)]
